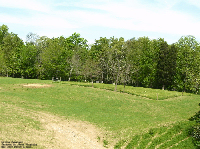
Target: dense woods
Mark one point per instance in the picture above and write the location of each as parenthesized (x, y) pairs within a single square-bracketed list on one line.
[(138, 62)]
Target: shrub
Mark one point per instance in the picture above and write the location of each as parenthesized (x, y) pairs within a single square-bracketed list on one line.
[(194, 131)]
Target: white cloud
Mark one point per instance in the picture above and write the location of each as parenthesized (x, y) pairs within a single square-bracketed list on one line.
[(38, 21), (194, 2), (131, 15), (25, 4)]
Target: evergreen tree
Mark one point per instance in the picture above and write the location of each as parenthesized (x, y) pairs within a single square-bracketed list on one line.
[(166, 65)]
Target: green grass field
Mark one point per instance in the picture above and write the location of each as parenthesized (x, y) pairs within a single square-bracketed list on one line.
[(134, 118), (155, 94)]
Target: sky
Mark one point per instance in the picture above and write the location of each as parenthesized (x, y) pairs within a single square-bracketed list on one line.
[(92, 19)]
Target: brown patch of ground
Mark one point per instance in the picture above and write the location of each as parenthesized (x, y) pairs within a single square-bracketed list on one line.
[(37, 85), (71, 134), (55, 132)]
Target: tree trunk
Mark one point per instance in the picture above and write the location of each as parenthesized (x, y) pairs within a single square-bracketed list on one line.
[(102, 77), (116, 83), (124, 86), (115, 86), (107, 78), (13, 73)]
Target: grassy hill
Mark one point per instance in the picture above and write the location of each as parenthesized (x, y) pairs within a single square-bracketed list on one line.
[(133, 118)]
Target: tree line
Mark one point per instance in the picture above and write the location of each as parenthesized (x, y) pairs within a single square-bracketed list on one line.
[(141, 62)]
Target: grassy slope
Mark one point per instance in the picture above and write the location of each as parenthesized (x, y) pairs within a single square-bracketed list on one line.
[(122, 114), (174, 136)]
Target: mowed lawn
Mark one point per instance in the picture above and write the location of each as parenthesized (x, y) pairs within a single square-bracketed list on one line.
[(121, 114)]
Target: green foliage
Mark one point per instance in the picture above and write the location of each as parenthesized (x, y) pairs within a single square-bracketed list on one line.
[(138, 62), (2, 64), (11, 50), (194, 131), (28, 58), (90, 69), (148, 61), (3, 33), (187, 66), (54, 59), (166, 66)]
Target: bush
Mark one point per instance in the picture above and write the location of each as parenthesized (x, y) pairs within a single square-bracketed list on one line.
[(194, 131)]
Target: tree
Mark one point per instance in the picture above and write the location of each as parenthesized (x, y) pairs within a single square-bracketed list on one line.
[(194, 130), (11, 50), (90, 69), (28, 58), (148, 61), (75, 41), (3, 33), (75, 66), (53, 58), (79, 48), (133, 57), (117, 59), (172, 65), (187, 64), (166, 66), (137, 62), (2, 64), (100, 51)]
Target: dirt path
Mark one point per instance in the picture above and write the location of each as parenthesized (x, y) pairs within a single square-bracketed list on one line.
[(55, 132), (71, 134)]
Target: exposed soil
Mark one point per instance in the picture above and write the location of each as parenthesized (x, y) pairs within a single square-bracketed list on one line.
[(55, 132), (37, 85), (71, 134)]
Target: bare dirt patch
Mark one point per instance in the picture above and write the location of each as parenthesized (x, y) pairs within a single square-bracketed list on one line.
[(37, 85), (71, 134), (55, 132)]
